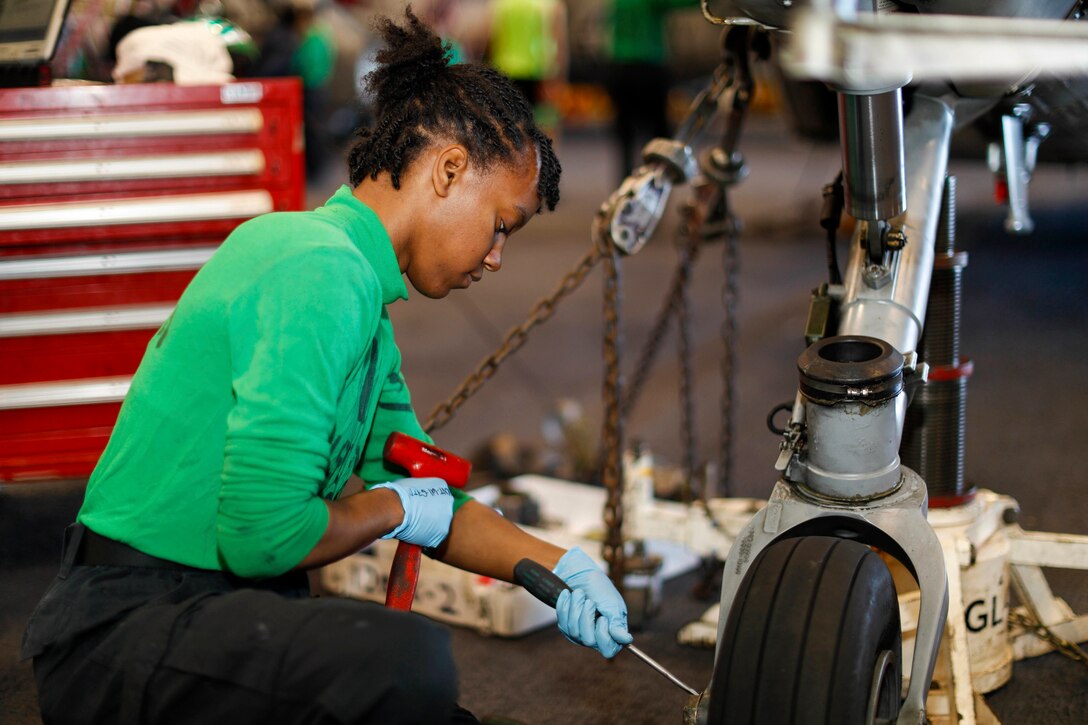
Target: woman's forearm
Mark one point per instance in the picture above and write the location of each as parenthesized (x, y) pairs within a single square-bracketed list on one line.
[(480, 539), (354, 522), (483, 542)]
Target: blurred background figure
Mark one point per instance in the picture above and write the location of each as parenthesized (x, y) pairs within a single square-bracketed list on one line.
[(351, 35), (638, 76), (528, 43), (301, 43)]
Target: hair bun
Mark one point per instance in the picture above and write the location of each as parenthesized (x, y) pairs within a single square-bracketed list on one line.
[(413, 57), (419, 98)]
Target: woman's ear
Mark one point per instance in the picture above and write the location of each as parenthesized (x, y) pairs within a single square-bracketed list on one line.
[(449, 166)]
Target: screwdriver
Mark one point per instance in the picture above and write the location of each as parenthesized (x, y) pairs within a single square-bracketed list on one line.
[(543, 584)]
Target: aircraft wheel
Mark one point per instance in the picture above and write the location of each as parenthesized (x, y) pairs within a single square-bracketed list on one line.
[(813, 637)]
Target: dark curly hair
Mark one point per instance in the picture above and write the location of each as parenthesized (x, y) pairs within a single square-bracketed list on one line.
[(419, 95)]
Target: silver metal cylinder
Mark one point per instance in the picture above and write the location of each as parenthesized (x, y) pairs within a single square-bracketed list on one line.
[(852, 388), (871, 137), (853, 451), (894, 312)]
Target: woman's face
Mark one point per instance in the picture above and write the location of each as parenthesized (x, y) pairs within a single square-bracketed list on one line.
[(470, 222)]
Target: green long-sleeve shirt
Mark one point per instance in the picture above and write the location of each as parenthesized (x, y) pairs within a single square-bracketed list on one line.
[(274, 379)]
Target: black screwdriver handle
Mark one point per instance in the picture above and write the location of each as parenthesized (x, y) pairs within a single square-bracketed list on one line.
[(543, 584), (539, 581)]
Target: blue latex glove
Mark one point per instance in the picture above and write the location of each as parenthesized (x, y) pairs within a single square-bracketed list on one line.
[(428, 509), (593, 594)]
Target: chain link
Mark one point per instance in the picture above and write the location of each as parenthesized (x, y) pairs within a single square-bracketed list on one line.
[(612, 431), (721, 223), (730, 294), (515, 338), (653, 344), (687, 383), (1070, 649), (689, 251)]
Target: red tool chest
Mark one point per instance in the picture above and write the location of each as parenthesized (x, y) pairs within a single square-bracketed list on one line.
[(111, 198)]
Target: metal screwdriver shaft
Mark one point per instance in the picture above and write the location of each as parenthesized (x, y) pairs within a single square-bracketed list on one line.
[(539, 581), (657, 666)]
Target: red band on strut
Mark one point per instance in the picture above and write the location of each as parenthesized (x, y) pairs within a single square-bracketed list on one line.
[(947, 502), (948, 373)]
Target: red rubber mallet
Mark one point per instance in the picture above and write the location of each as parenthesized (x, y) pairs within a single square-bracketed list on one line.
[(420, 460)]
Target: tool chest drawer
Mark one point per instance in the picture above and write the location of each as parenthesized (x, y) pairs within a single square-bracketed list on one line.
[(111, 198)]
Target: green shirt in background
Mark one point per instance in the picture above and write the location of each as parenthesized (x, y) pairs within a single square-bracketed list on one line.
[(275, 378), (316, 56), (523, 42), (638, 29)]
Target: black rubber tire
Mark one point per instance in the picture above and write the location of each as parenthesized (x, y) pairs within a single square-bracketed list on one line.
[(813, 619)]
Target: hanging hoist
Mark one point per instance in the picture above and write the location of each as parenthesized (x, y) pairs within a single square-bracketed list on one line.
[(623, 225)]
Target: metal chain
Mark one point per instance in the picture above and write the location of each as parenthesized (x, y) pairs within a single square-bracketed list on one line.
[(688, 252), (730, 295), (708, 220), (680, 278), (624, 397), (515, 338), (1070, 649), (739, 43), (612, 431)]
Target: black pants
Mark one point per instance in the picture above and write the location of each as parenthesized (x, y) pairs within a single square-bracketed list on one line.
[(640, 97), (124, 645)]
